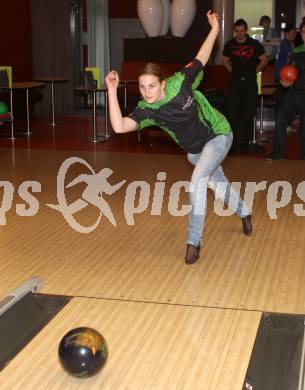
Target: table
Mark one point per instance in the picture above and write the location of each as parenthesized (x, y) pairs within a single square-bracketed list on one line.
[(97, 138), (267, 90), (52, 80), (27, 85)]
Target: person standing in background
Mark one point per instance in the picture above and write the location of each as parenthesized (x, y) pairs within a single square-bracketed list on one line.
[(283, 57), (269, 34), (298, 38), (243, 57), (285, 50), (292, 103)]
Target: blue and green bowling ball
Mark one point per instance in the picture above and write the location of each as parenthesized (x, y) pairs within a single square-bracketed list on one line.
[(3, 108), (82, 352)]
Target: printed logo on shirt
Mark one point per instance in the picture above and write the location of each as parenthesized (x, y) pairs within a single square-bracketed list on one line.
[(189, 102), (245, 52)]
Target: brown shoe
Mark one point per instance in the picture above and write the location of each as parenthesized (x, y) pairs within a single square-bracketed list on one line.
[(192, 254), (247, 225)]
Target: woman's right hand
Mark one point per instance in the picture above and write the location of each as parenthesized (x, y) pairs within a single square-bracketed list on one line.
[(213, 19), (112, 80)]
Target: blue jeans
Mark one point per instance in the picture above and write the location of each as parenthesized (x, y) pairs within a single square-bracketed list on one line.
[(207, 173)]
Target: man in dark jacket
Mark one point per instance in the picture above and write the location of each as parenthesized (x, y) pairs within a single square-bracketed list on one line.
[(292, 103)]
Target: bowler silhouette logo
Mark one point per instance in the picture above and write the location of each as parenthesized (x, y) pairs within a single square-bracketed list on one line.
[(97, 185)]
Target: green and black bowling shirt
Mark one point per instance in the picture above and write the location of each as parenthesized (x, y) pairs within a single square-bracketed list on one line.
[(184, 113)]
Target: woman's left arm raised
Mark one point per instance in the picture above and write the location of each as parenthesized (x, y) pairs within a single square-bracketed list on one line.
[(207, 46)]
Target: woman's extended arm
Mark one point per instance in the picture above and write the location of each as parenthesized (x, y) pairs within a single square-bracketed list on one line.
[(119, 123), (207, 46)]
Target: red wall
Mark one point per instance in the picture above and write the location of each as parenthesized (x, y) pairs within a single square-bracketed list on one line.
[(15, 38), (123, 9)]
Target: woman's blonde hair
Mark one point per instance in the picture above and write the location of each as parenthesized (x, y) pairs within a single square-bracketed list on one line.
[(154, 69)]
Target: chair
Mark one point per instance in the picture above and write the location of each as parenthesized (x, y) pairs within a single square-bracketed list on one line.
[(4, 87), (265, 113), (88, 82)]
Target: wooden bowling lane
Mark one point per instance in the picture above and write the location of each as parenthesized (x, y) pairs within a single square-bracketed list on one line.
[(151, 346), (145, 262)]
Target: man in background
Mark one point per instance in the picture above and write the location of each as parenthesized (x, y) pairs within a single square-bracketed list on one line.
[(243, 57), (269, 34), (283, 57), (292, 103)]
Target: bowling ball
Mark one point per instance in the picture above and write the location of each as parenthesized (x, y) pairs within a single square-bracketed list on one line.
[(3, 108), (82, 352), (288, 73)]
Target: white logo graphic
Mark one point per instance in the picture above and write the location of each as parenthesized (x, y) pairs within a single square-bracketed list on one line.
[(97, 184), (188, 103), (141, 196)]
